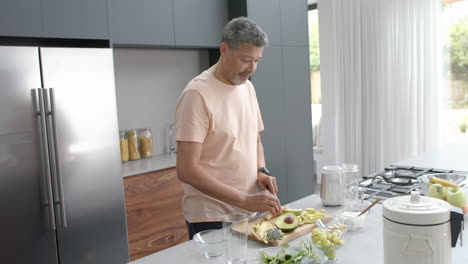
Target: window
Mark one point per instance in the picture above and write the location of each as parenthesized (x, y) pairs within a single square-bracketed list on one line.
[(314, 59), (454, 115)]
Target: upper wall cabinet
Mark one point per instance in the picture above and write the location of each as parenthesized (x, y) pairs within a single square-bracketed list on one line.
[(142, 22), (294, 29), (84, 19), (199, 22), (266, 13), (20, 18), (285, 21)]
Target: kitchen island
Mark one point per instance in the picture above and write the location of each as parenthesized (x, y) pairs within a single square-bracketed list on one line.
[(364, 246)]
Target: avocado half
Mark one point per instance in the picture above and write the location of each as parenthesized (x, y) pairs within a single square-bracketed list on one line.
[(287, 222)]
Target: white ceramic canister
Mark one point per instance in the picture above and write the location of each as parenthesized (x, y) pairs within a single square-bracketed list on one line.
[(331, 190), (416, 229)]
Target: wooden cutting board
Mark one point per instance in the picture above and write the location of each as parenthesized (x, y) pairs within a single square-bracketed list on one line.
[(301, 230)]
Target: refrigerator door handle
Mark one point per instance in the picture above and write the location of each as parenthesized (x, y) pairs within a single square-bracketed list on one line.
[(38, 100), (56, 169)]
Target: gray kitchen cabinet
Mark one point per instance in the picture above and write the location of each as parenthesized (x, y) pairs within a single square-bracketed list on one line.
[(282, 82), (294, 23), (142, 22), (199, 23), (84, 19), (268, 82), (266, 13), (20, 18), (299, 145)]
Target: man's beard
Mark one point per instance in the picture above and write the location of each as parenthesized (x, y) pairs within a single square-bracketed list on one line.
[(237, 79)]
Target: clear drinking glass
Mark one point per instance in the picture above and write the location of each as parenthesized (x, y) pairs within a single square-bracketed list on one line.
[(351, 179), (235, 228)]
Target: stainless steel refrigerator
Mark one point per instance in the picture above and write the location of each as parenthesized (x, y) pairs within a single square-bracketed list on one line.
[(61, 189)]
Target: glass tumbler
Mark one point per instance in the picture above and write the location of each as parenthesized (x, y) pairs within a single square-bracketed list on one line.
[(351, 179), (235, 228)]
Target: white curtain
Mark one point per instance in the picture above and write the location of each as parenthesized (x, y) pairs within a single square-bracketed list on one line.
[(380, 62)]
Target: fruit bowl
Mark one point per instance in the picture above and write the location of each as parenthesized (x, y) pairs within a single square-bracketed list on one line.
[(328, 241), (330, 252), (455, 195)]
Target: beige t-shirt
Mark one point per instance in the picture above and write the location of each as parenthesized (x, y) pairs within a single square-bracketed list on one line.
[(226, 120)]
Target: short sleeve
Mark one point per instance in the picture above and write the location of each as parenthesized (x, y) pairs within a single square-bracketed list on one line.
[(191, 118), (259, 114)]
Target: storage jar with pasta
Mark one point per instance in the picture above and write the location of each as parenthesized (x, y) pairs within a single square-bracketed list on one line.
[(132, 137), (146, 142), (123, 146)]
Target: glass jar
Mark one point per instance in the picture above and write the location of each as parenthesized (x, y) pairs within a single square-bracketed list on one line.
[(146, 142), (123, 146), (133, 147), (351, 179)]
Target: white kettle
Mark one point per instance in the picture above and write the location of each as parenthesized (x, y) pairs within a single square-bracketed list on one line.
[(416, 229)]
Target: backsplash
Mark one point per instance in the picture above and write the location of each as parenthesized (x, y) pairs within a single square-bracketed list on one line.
[(149, 82)]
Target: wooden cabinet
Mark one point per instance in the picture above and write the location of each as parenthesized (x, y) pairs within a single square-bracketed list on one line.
[(155, 219)]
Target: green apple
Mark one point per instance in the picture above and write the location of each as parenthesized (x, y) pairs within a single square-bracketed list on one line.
[(456, 197), (437, 191)]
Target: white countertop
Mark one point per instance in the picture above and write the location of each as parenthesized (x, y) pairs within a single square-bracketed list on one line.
[(364, 246), (158, 162)]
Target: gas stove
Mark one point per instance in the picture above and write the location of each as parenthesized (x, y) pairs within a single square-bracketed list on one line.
[(396, 181)]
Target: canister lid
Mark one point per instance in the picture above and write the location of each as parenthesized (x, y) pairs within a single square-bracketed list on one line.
[(415, 209), (337, 169), (350, 167)]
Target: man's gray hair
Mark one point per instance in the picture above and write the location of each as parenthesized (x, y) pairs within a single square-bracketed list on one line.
[(242, 30)]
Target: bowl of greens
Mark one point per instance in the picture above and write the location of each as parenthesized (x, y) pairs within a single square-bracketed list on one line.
[(304, 253)]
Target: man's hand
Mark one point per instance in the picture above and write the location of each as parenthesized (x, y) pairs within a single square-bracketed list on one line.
[(266, 182), (262, 201)]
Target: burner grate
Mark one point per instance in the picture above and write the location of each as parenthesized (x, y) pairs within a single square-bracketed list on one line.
[(395, 181)]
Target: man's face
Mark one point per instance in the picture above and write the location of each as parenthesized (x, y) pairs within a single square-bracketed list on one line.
[(240, 63)]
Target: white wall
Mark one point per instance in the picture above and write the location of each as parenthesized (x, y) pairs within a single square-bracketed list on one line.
[(148, 83)]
